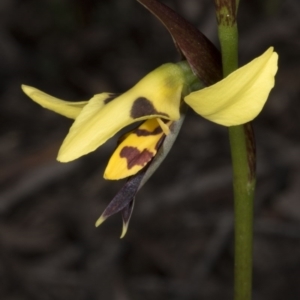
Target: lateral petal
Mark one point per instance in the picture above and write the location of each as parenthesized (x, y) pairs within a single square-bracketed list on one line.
[(157, 95), (66, 108), (239, 97)]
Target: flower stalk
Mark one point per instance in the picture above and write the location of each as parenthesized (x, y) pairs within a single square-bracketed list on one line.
[(242, 144)]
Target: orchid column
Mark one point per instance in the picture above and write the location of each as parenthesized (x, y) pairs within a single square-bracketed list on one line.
[(243, 154)]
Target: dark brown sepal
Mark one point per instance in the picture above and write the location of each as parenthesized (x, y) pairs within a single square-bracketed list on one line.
[(126, 216), (201, 54), (124, 196)]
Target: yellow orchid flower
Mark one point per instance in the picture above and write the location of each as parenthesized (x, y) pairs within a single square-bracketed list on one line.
[(156, 100), (234, 100)]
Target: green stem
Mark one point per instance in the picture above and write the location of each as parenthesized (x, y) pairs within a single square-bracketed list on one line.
[(244, 187), (242, 146)]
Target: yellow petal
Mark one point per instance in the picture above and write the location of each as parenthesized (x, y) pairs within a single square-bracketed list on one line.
[(65, 108), (239, 97), (156, 95), (135, 151)]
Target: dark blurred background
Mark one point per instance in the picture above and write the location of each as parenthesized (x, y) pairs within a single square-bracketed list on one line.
[(180, 240)]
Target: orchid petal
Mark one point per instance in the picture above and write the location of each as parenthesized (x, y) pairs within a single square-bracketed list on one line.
[(239, 97), (157, 95), (135, 151), (66, 108)]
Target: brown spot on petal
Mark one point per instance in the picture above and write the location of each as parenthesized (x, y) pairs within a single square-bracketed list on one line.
[(135, 157), (144, 132), (144, 107), (110, 98)]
